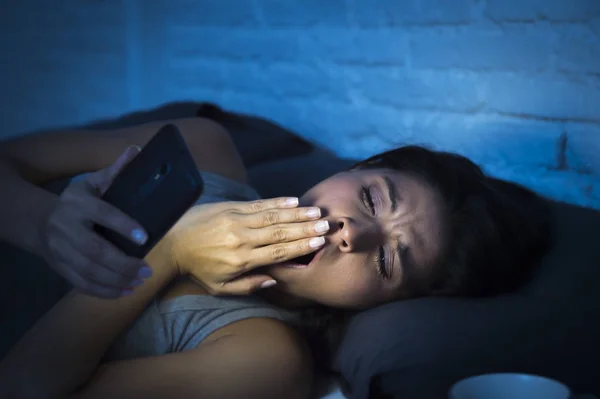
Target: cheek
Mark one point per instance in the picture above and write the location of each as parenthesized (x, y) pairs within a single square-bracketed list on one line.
[(346, 286)]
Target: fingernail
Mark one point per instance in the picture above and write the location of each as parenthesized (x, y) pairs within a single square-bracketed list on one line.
[(139, 236), (126, 292), (316, 242), (313, 213), (268, 283), (322, 226), (291, 202), (137, 282), (144, 272)]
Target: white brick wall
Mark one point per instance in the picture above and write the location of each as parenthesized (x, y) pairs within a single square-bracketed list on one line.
[(514, 84)]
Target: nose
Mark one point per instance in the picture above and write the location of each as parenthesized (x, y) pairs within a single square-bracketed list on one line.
[(351, 235)]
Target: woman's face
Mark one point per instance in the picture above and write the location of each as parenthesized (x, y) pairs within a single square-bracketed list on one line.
[(386, 229)]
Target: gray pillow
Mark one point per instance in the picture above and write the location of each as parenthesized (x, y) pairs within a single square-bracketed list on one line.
[(295, 175), (419, 348)]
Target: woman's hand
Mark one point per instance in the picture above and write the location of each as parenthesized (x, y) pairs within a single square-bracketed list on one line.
[(89, 262), (217, 243)]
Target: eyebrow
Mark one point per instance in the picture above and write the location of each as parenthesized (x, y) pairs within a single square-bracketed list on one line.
[(406, 265), (401, 251), (392, 193)]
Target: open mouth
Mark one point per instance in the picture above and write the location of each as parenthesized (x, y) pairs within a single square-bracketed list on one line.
[(305, 259), (301, 261)]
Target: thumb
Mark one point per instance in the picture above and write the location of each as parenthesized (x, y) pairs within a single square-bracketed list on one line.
[(247, 285), (102, 179)]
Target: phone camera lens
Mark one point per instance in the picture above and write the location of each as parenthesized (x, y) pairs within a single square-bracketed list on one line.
[(164, 169)]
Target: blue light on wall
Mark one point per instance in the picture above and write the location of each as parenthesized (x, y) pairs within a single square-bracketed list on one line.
[(515, 85)]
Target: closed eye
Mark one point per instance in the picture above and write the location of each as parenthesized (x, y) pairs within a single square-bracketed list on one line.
[(367, 199), (381, 258), (382, 269)]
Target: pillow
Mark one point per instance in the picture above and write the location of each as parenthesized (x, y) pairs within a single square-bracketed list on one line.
[(295, 175), (419, 348)]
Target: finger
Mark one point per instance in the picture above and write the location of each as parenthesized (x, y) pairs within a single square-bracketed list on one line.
[(277, 216), (246, 285), (94, 247), (277, 253), (100, 181), (287, 232), (264, 204), (95, 210), (93, 271), (84, 286)]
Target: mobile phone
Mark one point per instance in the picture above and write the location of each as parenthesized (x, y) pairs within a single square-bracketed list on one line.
[(156, 188)]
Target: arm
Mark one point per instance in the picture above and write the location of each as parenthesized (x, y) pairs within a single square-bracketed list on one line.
[(63, 348), (251, 358), (33, 160)]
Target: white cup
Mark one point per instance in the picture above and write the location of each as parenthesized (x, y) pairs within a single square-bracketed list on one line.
[(509, 386)]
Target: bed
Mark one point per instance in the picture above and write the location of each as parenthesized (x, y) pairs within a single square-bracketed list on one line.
[(412, 349)]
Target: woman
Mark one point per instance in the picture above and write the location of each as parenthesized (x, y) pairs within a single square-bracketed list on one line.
[(408, 223)]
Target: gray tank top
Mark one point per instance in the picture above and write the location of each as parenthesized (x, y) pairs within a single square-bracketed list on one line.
[(181, 323)]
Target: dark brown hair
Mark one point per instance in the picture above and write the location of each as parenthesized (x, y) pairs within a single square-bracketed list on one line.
[(497, 230)]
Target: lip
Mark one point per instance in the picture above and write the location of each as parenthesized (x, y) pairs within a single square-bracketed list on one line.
[(317, 256)]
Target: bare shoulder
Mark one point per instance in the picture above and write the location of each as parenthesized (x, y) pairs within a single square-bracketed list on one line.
[(267, 353), (209, 143), (253, 358), (212, 147), (267, 341), (54, 155)]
